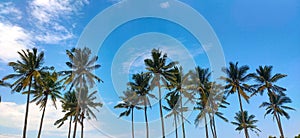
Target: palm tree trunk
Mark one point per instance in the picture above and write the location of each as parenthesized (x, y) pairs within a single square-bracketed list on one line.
[(70, 126), (77, 109), (132, 124), (182, 118), (146, 120), (214, 126), (206, 129), (27, 109), (243, 116), (211, 126), (279, 124), (175, 120), (160, 110), (42, 119), (82, 124)]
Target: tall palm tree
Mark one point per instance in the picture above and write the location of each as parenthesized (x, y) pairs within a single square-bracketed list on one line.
[(174, 108), (236, 79), (276, 107), (248, 122), (266, 81), (130, 102), (87, 104), (141, 86), (200, 86), (216, 100), (180, 87), (69, 104), (82, 65), (27, 69), (47, 87), (161, 71)]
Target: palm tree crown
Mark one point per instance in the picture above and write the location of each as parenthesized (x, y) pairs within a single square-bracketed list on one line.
[(249, 122)]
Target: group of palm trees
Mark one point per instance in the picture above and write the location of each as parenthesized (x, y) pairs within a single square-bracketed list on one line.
[(177, 88), (43, 83), (208, 96)]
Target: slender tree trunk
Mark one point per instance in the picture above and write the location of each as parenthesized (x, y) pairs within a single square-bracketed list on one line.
[(146, 119), (214, 126), (243, 116), (82, 124), (42, 119), (211, 126), (77, 109), (175, 120), (206, 129), (160, 110), (279, 124), (182, 118), (132, 124), (70, 127), (27, 109)]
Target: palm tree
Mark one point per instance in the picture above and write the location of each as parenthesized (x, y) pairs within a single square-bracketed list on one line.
[(266, 80), (27, 69), (161, 71), (216, 100), (130, 102), (87, 103), (236, 83), (82, 66), (276, 107), (201, 85), (69, 104), (47, 87), (248, 122), (180, 86), (141, 86), (174, 108)]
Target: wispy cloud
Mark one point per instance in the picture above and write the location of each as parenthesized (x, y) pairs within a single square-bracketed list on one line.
[(8, 10), (52, 18), (164, 5)]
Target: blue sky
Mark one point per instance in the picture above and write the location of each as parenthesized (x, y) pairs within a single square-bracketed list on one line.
[(251, 32)]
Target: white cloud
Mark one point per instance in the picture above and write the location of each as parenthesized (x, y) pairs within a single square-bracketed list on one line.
[(13, 38), (52, 18), (10, 136), (164, 5), (14, 115), (8, 10)]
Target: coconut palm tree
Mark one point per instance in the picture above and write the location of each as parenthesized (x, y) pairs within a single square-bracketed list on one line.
[(216, 100), (87, 104), (130, 101), (69, 104), (47, 87), (265, 80), (180, 87), (200, 86), (162, 72), (248, 122), (174, 108), (82, 65), (276, 107), (141, 86), (236, 82), (26, 70)]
